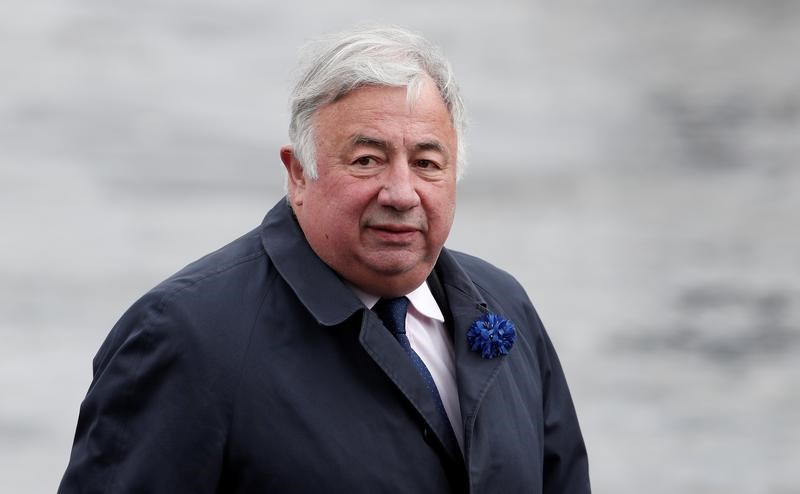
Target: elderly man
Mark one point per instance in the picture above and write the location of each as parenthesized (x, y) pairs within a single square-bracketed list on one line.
[(339, 347)]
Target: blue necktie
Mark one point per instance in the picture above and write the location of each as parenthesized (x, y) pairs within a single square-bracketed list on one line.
[(392, 312)]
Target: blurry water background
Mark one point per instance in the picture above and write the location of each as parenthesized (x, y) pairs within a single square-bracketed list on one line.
[(633, 162)]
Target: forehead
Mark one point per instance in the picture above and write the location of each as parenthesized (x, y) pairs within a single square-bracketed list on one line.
[(386, 109)]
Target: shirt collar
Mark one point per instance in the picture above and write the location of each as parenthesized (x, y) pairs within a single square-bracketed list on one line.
[(421, 298)]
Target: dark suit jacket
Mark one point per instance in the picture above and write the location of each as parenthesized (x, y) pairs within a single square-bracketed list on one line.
[(255, 369)]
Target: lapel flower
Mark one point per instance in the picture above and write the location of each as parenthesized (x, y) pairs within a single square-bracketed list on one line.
[(491, 335)]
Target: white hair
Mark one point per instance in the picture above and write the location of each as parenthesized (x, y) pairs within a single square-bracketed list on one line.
[(368, 56)]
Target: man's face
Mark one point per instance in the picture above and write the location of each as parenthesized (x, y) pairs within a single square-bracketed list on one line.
[(384, 200)]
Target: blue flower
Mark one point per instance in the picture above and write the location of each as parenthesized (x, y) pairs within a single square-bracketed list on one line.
[(491, 335)]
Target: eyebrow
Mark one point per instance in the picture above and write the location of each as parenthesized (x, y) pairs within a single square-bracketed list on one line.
[(431, 146), (362, 140)]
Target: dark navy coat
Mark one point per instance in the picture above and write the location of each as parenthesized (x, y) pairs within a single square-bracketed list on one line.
[(255, 369)]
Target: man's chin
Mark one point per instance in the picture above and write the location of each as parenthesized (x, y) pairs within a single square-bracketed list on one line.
[(394, 277), (395, 263)]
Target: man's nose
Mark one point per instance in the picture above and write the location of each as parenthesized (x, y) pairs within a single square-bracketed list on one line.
[(398, 187)]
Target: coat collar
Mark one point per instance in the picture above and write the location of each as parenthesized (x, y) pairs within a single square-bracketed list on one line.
[(317, 286)]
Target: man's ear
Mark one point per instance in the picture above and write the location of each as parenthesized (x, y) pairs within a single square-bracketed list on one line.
[(295, 178)]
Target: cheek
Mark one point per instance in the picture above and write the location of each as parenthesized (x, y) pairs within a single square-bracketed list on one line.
[(339, 209), (445, 223), (442, 202), (352, 197)]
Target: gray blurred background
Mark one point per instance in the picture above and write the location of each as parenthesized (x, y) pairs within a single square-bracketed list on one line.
[(634, 163)]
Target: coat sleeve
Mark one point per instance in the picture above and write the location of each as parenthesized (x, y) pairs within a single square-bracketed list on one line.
[(154, 417), (566, 465)]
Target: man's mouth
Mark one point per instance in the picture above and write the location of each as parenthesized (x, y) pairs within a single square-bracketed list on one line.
[(394, 233)]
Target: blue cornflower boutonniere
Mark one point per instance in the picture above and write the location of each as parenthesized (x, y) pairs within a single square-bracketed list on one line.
[(491, 335)]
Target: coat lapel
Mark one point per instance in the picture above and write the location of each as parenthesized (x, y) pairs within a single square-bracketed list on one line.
[(387, 353), (464, 305)]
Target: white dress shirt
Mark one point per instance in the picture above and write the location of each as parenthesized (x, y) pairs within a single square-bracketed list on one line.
[(430, 339)]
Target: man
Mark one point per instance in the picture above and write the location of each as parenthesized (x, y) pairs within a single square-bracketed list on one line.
[(339, 347)]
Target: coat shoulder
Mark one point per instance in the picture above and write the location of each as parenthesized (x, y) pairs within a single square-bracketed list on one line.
[(210, 300), (234, 260)]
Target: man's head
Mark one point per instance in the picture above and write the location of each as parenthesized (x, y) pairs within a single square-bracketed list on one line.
[(376, 150), (374, 56)]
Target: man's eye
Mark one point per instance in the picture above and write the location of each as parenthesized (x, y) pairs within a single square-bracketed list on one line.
[(365, 161), (427, 164)]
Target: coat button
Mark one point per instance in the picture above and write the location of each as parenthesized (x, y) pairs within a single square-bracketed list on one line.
[(427, 435)]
